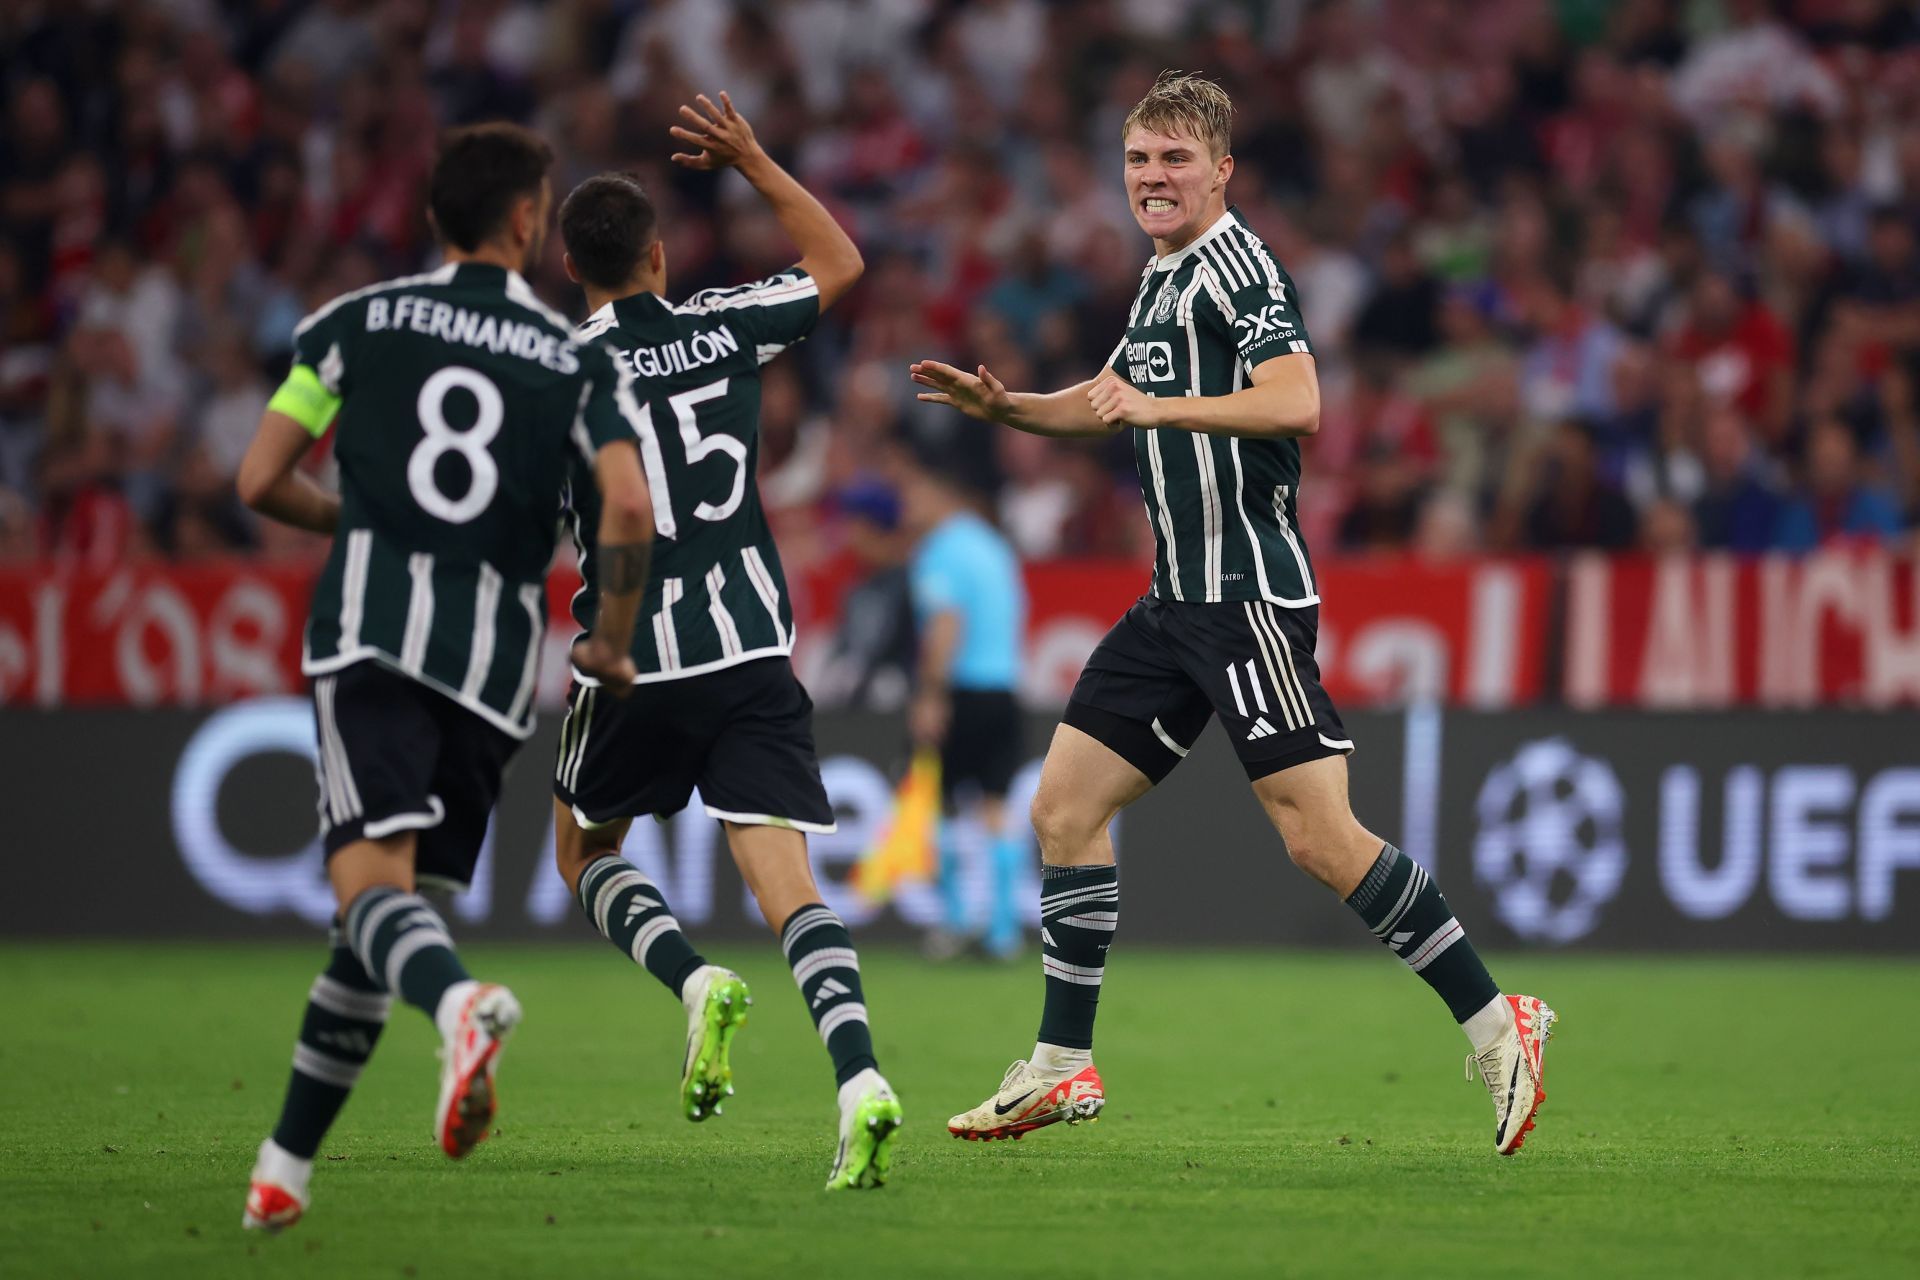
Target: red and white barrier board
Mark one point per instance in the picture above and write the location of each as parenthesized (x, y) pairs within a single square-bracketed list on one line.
[(155, 634), (1391, 630), (1835, 629), (1839, 628), (151, 634)]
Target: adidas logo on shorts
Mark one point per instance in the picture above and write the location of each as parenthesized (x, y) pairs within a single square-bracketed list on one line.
[(1261, 729)]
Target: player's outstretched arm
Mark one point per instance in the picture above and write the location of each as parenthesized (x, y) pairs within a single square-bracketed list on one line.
[(270, 482), (1284, 400), (983, 396), (623, 556), (725, 139)]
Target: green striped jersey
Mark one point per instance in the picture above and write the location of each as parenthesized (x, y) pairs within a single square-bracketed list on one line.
[(1223, 509), (717, 595), (462, 400)]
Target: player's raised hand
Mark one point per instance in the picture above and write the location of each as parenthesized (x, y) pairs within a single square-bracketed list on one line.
[(722, 134), (981, 395), (1121, 404)]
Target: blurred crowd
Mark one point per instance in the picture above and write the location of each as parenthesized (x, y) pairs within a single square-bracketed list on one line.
[(1579, 273)]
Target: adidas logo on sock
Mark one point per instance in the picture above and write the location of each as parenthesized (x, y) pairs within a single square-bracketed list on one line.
[(356, 1042), (828, 990), (1261, 729)]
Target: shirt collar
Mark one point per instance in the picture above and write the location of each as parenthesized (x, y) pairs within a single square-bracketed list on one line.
[(1214, 232), (608, 310)]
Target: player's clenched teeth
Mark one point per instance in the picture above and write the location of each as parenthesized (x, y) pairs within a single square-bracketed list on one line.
[(1154, 204)]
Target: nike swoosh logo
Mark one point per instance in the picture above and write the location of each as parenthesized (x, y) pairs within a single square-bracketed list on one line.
[(1506, 1119), (1001, 1110)]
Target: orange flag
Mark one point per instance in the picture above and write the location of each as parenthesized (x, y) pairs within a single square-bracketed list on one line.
[(907, 851)]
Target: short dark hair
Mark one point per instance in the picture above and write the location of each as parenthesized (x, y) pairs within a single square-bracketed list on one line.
[(480, 172), (607, 222)]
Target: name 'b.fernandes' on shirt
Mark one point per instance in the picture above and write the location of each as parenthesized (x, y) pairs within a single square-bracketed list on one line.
[(461, 402)]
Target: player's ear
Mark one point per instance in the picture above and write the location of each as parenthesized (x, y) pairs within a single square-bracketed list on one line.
[(657, 257), (526, 219), (566, 260), (1224, 170)]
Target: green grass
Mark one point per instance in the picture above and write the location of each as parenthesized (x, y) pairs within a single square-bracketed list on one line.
[(1270, 1114)]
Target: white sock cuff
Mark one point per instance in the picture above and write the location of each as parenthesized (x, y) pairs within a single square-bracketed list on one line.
[(446, 1015), (1057, 1059), (1486, 1027), (869, 1079), (282, 1168), (694, 994)]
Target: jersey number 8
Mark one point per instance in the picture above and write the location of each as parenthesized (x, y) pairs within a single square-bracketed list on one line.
[(471, 444)]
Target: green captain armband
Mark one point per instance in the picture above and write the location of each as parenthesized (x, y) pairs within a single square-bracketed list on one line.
[(305, 399)]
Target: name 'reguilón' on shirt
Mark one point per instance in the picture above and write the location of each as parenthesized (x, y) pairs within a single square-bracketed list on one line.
[(717, 595)]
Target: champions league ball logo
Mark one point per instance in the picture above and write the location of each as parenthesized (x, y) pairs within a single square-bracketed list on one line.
[(1549, 848)]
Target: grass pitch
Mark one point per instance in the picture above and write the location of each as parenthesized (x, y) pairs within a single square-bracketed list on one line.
[(1270, 1114)]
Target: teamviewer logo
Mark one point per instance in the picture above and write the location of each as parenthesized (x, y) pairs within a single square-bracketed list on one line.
[(1149, 362), (1159, 362)]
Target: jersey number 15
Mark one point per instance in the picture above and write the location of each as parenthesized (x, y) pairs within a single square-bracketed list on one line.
[(698, 447)]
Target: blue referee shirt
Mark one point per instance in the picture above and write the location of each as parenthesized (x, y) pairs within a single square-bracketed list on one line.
[(964, 565)]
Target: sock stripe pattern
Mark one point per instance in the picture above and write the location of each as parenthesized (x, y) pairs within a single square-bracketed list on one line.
[(631, 912), (404, 945), (1406, 910), (344, 1017), (827, 970), (1079, 914)]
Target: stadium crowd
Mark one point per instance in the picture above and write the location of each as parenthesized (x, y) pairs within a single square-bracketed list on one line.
[(1579, 273)]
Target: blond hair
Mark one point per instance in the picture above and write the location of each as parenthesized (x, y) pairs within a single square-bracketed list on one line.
[(1186, 104)]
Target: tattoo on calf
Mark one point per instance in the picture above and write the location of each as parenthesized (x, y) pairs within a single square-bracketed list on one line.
[(623, 568)]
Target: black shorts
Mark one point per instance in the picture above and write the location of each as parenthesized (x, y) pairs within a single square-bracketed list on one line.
[(983, 747), (1168, 665), (743, 735), (396, 756)]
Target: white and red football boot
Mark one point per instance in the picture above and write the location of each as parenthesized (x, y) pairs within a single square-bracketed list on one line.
[(271, 1208), (472, 1050), (277, 1190), (1514, 1071), (1028, 1099)]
